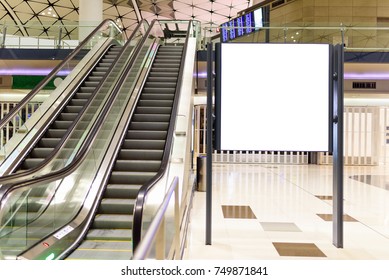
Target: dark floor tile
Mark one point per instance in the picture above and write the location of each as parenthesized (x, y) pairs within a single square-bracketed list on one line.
[(238, 212), (298, 250), (328, 218), (324, 197)]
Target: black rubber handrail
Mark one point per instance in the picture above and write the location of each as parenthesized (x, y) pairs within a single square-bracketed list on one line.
[(138, 209), (16, 177), (7, 118)]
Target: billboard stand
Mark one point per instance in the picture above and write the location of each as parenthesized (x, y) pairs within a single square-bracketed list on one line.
[(337, 142), (208, 219), (330, 117)]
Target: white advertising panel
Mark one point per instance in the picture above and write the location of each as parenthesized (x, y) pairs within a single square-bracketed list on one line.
[(274, 97)]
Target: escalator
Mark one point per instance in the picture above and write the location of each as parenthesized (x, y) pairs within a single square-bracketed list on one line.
[(23, 220), (137, 162), (58, 128), (28, 130)]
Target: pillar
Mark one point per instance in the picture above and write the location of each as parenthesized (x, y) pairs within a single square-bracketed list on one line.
[(90, 16)]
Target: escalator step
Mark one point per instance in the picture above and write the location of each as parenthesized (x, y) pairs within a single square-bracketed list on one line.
[(61, 124), (152, 110), (155, 74), (157, 96), (168, 60), (131, 178), (86, 89), (110, 234), (55, 133), (64, 116), (82, 95), (156, 103), (98, 73), (118, 190), (151, 117), (108, 60), (73, 109), (160, 85), (151, 135), (29, 163), (106, 221), (105, 64), (166, 66), (141, 154), (91, 84), (48, 142), (99, 250), (143, 144), (163, 79), (103, 69), (149, 126), (94, 78), (78, 102), (116, 206), (137, 165), (158, 90), (41, 152)]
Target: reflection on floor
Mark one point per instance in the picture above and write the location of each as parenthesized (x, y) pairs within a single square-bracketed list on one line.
[(380, 181), (285, 212)]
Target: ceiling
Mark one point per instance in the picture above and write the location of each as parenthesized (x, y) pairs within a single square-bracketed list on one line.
[(42, 17)]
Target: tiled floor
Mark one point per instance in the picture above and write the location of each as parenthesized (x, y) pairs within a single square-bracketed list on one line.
[(285, 212)]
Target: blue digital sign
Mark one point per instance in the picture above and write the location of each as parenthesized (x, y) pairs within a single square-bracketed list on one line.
[(249, 22), (231, 25), (224, 32), (240, 26)]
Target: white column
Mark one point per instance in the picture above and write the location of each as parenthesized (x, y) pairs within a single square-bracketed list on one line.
[(90, 16)]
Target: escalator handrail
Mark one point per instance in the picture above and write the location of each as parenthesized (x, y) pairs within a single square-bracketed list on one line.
[(16, 177), (138, 209), (13, 112), (78, 160)]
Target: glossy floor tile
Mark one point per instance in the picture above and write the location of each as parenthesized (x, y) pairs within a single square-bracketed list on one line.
[(285, 201), (298, 249), (324, 197), (237, 212), (328, 218), (279, 226)]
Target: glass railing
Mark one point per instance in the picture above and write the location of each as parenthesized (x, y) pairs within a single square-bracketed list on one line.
[(161, 240), (15, 122), (31, 211), (43, 35), (356, 37)]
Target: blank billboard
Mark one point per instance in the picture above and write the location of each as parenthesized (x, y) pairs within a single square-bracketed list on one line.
[(274, 97)]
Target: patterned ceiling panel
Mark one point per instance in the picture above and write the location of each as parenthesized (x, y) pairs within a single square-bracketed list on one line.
[(43, 18)]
